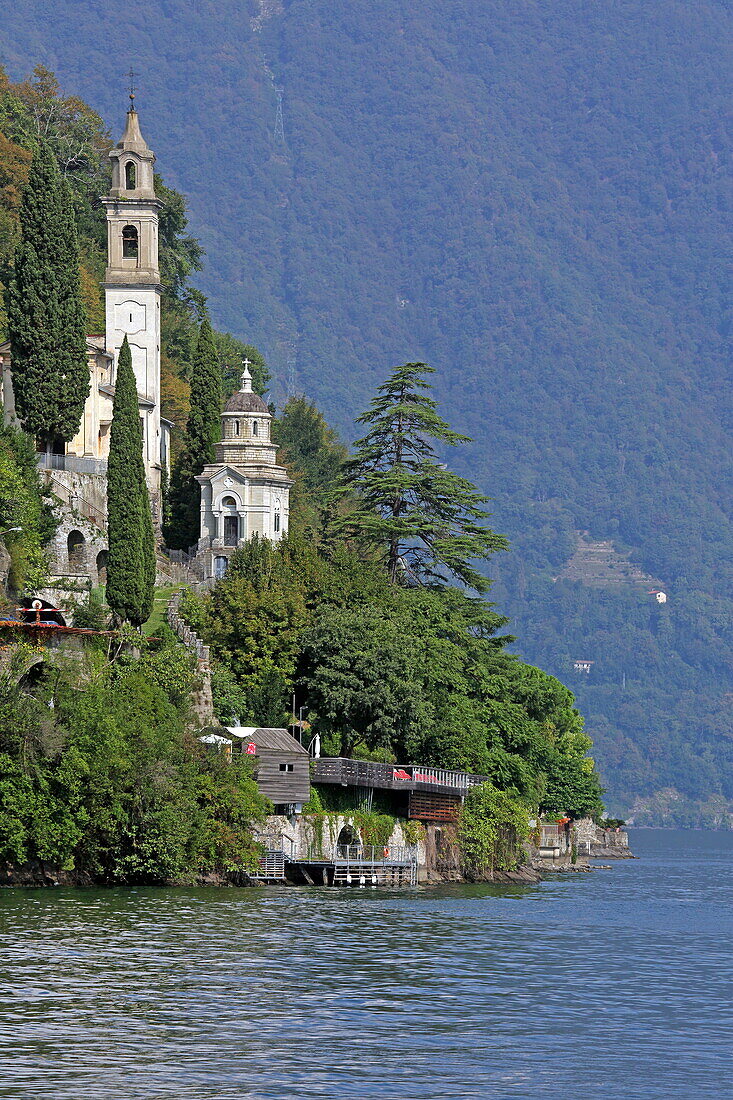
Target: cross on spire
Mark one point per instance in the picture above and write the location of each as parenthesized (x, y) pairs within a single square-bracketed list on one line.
[(246, 376), (132, 75)]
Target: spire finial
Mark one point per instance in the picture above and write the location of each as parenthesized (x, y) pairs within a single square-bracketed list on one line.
[(131, 74), (246, 376)]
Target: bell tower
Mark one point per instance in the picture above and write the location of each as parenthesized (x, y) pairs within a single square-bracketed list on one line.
[(132, 283)]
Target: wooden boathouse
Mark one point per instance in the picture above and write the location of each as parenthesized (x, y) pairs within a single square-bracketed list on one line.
[(413, 792), (281, 765)]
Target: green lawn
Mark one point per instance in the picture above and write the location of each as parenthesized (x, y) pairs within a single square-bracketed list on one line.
[(161, 598)]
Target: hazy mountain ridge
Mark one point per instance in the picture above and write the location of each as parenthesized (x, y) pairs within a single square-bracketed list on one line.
[(538, 204)]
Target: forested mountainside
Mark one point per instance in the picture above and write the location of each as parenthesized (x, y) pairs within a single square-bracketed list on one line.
[(535, 200)]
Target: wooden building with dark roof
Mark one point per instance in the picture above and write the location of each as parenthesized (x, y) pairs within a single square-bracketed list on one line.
[(281, 765)]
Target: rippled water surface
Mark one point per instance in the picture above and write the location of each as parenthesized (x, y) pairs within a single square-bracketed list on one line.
[(611, 985)]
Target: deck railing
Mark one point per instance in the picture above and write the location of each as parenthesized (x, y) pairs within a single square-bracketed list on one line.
[(370, 853), (368, 773)]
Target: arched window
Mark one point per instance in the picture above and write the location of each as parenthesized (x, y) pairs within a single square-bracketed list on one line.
[(236, 427), (276, 523), (255, 428), (75, 545), (129, 242), (130, 176), (102, 567)]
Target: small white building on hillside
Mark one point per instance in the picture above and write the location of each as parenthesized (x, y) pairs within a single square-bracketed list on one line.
[(244, 492)]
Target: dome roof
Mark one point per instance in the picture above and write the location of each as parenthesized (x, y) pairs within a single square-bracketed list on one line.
[(242, 402)]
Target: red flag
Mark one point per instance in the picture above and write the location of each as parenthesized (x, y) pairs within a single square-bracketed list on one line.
[(251, 749)]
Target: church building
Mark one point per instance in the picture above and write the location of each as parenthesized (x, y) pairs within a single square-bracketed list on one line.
[(132, 308), (243, 492)]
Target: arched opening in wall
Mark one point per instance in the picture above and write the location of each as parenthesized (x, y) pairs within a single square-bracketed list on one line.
[(75, 545), (348, 840), (102, 567), (231, 521), (130, 176), (220, 566), (32, 677), (130, 242), (276, 522), (255, 428), (237, 427)]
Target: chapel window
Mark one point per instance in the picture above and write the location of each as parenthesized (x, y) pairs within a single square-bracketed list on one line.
[(130, 176), (255, 428), (236, 427), (129, 242), (276, 522)]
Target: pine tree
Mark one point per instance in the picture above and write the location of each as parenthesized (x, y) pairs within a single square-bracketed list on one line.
[(131, 560), (426, 521), (45, 308), (203, 431)]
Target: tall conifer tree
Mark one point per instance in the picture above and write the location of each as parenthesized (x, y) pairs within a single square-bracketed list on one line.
[(203, 431), (45, 308), (131, 560), (427, 522)]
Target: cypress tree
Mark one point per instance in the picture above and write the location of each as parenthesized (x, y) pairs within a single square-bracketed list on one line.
[(131, 560), (203, 431), (45, 308)]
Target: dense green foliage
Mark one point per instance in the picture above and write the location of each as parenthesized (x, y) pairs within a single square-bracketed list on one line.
[(109, 783), (492, 829), (421, 518), (46, 318), (23, 505), (388, 671), (202, 432), (131, 559)]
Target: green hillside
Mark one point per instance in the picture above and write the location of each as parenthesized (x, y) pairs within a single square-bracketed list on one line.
[(536, 201)]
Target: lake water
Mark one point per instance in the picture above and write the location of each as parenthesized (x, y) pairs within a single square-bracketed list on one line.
[(611, 985)]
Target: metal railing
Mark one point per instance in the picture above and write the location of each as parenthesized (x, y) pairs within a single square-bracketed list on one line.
[(271, 865), (359, 854), (555, 836), (75, 464), (368, 773)]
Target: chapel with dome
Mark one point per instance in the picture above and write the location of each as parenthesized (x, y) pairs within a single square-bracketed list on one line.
[(244, 492)]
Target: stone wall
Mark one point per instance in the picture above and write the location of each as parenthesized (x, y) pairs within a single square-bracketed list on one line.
[(300, 836), (202, 701)]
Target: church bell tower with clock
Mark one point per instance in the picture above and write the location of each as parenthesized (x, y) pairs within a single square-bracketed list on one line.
[(132, 286)]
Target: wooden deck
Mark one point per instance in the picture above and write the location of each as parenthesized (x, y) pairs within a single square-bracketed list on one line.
[(344, 772)]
